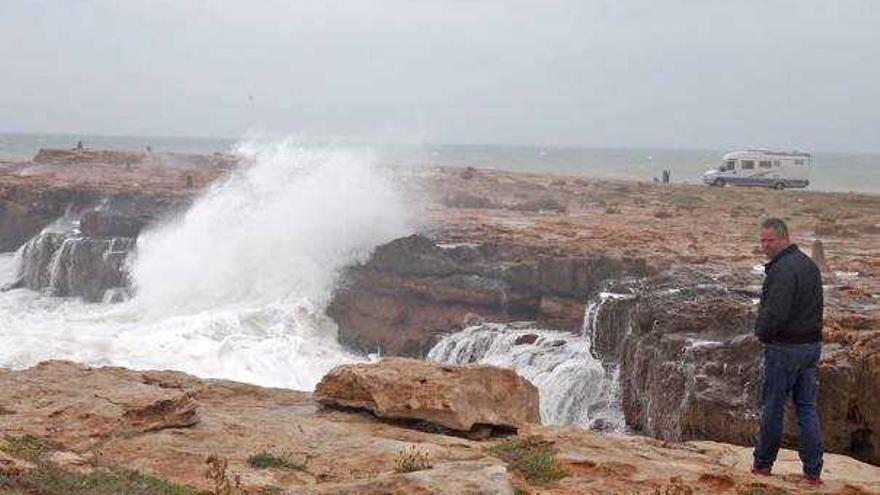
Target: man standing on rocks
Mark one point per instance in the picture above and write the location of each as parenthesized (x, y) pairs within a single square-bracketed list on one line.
[(789, 323)]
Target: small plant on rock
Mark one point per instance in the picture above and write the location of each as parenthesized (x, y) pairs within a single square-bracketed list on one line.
[(762, 490), (675, 487), (532, 457), (49, 479), (27, 447), (217, 473), (265, 459), (411, 459)]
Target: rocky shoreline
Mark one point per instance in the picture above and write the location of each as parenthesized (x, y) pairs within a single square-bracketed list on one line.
[(168, 424), (499, 246)]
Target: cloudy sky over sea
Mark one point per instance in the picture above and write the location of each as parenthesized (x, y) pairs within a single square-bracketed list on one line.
[(616, 73)]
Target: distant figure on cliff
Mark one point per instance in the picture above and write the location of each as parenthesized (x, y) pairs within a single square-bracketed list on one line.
[(79, 145), (789, 323)]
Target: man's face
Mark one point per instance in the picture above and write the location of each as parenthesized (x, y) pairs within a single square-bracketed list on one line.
[(772, 243)]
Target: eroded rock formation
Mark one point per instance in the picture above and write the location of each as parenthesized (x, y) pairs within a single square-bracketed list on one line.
[(690, 368), (413, 290), (455, 397), (124, 191), (70, 265)]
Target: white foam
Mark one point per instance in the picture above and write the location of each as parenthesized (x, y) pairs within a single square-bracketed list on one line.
[(574, 386), (237, 287)]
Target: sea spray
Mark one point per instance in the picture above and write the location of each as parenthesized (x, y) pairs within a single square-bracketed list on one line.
[(236, 287), (281, 227)]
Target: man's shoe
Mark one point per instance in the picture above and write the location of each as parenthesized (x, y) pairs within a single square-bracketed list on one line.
[(813, 479), (761, 471)]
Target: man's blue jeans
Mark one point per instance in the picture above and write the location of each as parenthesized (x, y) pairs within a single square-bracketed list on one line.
[(790, 370)]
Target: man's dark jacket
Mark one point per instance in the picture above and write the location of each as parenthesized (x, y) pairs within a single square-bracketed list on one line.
[(791, 300)]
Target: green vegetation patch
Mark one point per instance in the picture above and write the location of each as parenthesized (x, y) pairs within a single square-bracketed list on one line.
[(265, 460), (762, 490), (532, 457), (48, 479), (27, 447), (687, 201)]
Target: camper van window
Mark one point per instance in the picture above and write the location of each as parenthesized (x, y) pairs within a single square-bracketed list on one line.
[(747, 164), (764, 164), (775, 163), (731, 164), (798, 162)]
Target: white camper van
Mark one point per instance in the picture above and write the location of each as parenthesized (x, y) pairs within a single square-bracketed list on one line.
[(776, 169)]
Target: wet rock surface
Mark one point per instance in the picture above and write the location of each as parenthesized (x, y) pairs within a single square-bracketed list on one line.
[(454, 397), (413, 290), (71, 265), (691, 369)]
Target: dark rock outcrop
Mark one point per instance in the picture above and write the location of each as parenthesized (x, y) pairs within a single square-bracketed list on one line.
[(124, 190), (69, 265), (26, 210), (414, 289), (691, 369)]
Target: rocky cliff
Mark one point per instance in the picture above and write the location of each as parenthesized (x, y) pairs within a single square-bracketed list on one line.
[(415, 289), (127, 190), (691, 369)]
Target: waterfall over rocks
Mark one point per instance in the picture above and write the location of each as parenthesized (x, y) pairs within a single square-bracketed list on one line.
[(576, 388), (66, 264)]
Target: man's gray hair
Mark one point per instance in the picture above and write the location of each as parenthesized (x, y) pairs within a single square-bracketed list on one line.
[(777, 226)]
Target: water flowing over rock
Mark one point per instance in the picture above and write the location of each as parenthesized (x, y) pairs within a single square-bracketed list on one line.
[(70, 265), (575, 387), (455, 397)]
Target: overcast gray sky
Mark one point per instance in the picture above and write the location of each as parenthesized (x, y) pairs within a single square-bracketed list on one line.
[(654, 73)]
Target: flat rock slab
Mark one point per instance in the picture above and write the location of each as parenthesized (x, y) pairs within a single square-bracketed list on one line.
[(55, 394), (455, 397), (453, 478)]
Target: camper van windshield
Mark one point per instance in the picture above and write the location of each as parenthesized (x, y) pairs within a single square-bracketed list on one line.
[(728, 165)]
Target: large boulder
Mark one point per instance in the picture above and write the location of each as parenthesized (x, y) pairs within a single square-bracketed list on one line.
[(455, 397)]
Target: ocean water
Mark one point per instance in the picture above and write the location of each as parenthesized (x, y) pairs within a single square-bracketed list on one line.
[(234, 289), (842, 172)]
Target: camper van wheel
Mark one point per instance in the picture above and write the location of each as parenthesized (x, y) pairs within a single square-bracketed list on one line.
[(718, 183), (779, 186)]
